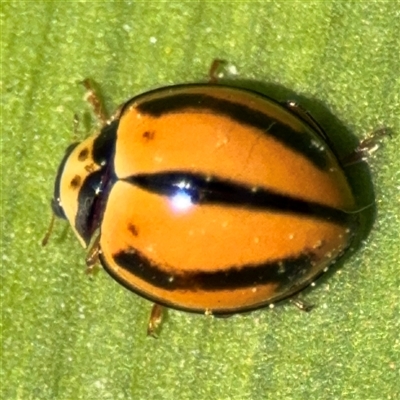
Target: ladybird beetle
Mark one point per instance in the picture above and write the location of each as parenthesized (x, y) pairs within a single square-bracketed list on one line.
[(207, 198)]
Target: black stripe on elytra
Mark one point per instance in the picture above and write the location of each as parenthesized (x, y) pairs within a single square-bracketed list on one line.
[(301, 142), (285, 273), (104, 144), (202, 190)]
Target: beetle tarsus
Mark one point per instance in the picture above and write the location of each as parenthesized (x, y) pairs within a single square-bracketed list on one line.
[(366, 147), (302, 305), (155, 321), (215, 70)]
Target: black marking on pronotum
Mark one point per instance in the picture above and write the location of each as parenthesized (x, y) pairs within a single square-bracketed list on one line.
[(75, 182), (93, 194), (88, 201), (299, 141), (285, 273), (92, 201), (202, 190), (104, 144), (83, 154)]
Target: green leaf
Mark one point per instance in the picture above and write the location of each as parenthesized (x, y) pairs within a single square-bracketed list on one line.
[(65, 336)]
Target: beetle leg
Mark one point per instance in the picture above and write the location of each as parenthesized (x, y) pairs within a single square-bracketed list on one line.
[(366, 147), (49, 230), (156, 317), (301, 305), (215, 72), (221, 69), (92, 257), (95, 100)]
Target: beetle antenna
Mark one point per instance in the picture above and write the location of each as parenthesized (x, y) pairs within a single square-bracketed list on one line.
[(49, 230), (360, 209)]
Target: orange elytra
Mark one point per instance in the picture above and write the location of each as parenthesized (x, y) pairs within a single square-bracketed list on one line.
[(208, 198)]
